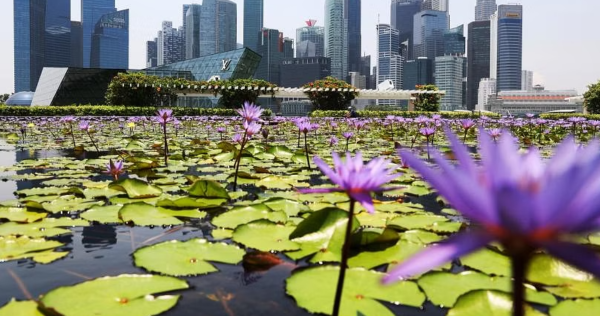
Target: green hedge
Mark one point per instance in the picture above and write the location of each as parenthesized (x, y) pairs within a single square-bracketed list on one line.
[(558, 116), (406, 114), (95, 110)]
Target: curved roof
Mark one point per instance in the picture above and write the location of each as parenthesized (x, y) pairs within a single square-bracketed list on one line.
[(20, 98)]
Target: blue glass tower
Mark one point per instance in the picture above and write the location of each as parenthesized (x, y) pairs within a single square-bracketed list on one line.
[(454, 41), (218, 27), (29, 28), (353, 15), (253, 22), (429, 29), (403, 12), (336, 37), (57, 52), (110, 42), (510, 47), (91, 12)]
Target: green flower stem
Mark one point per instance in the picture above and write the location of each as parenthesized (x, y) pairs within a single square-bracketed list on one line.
[(238, 162), (519, 268), (166, 143), (344, 264), (93, 142), (72, 135)]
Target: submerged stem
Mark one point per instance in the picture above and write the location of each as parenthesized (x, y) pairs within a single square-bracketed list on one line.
[(344, 264), (306, 150), (237, 163)]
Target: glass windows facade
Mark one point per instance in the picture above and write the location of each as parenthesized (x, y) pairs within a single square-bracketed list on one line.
[(403, 12), (91, 12), (389, 62), (310, 41), (76, 52), (479, 59), (336, 38), (510, 47), (270, 48), (296, 72), (110, 43), (253, 22), (429, 29), (417, 72), (449, 74), (58, 33), (353, 16), (218, 27), (192, 31), (29, 42), (454, 41)]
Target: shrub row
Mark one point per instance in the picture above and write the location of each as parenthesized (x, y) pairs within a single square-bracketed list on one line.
[(406, 114), (95, 110), (558, 116)]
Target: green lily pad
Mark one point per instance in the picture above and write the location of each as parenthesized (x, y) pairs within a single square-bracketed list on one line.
[(190, 202), (220, 234), (20, 308), (188, 258), (66, 204), (562, 279), (43, 191), (488, 303), (314, 290), (291, 208), (427, 222), (124, 295), (245, 214), (47, 227), (15, 248), (93, 193), (420, 237), (489, 262), (21, 215), (144, 214), (444, 289), (136, 189), (103, 214), (392, 255), (576, 307), (322, 234), (281, 152), (265, 236), (208, 189)]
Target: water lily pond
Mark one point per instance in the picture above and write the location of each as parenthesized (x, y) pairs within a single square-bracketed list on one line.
[(178, 239)]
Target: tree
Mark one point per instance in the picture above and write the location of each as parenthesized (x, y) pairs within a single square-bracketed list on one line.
[(4, 97), (592, 98), (427, 102), (330, 100), (138, 89)]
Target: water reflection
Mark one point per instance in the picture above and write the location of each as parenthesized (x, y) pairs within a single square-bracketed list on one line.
[(98, 237)]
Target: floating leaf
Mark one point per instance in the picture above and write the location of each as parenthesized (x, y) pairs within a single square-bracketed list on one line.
[(66, 204), (47, 227), (314, 290), (188, 258), (562, 279), (190, 202), (488, 303), (245, 214), (124, 295), (14, 248), (392, 255), (103, 214), (576, 307), (136, 189), (208, 189), (144, 214), (20, 308), (21, 215), (291, 208), (281, 152), (265, 236), (488, 261)]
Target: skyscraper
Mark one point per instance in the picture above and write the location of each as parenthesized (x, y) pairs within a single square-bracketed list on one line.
[(91, 12), (271, 48), (185, 8), (449, 76), (169, 44), (336, 38), (527, 80), (403, 12), (478, 59), (429, 29), (389, 61), (353, 16), (218, 26), (310, 40), (484, 9), (57, 52), (191, 31), (417, 72), (110, 41), (152, 53), (487, 87), (29, 28), (454, 41), (436, 5), (253, 22), (509, 23)]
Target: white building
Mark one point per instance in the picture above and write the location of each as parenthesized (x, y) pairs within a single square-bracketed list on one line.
[(536, 101), (484, 9), (170, 44), (527, 80), (494, 46), (487, 87), (449, 77)]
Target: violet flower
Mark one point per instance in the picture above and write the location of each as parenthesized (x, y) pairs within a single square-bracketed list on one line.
[(333, 141), (114, 169), (519, 200), (347, 136), (163, 117), (250, 112)]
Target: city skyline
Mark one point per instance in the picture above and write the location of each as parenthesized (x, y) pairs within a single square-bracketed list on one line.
[(540, 39)]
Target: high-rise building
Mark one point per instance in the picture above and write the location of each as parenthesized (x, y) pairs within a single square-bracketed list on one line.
[(507, 46), (253, 22), (353, 16), (365, 70), (389, 61), (478, 59), (527, 80), (76, 45), (288, 47), (429, 29), (296, 72), (487, 87), (152, 53), (271, 48), (484, 9), (29, 28), (57, 52), (336, 37), (417, 72), (403, 12), (218, 27), (91, 12), (191, 29), (449, 76), (310, 40), (169, 44), (454, 41), (110, 41), (185, 8), (436, 5)]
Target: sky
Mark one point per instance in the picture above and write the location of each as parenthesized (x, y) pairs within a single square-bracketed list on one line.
[(561, 44)]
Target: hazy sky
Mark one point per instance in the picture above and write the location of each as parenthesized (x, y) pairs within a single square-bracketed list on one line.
[(561, 42)]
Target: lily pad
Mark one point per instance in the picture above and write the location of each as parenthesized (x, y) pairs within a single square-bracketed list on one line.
[(188, 258), (144, 214), (191, 202), (47, 227), (265, 236), (208, 189), (245, 214), (20, 308), (576, 307), (21, 215), (488, 303), (65, 204), (489, 262), (314, 290), (136, 189), (103, 214), (291, 208), (562, 279), (14, 248), (124, 295)]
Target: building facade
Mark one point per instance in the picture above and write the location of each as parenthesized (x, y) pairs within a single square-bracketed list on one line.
[(449, 76), (487, 89), (218, 27), (271, 48), (454, 41), (57, 52), (436, 5), (389, 61), (191, 31), (429, 29), (296, 72), (310, 40), (29, 30), (253, 22), (91, 12), (478, 61), (510, 46), (527, 80), (336, 37), (110, 42), (484, 9), (169, 44), (76, 44), (417, 72), (353, 16), (402, 19), (152, 53), (536, 101)]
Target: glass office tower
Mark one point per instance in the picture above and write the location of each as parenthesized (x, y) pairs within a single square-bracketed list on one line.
[(29, 30), (57, 52), (218, 27), (110, 42), (253, 22), (336, 38), (91, 12)]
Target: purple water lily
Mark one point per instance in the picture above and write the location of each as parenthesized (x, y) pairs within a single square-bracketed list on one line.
[(333, 141), (250, 112), (164, 116), (518, 200), (114, 168)]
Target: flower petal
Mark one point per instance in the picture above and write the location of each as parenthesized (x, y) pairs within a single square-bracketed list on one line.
[(436, 255), (365, 199)]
